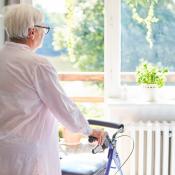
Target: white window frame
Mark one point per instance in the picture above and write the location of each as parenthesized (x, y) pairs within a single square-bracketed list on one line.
[(112, 43)]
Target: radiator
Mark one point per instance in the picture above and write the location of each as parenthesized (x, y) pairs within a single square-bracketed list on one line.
[(154, 152)]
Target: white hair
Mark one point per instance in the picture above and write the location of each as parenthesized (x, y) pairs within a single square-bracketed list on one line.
[(19, 18)]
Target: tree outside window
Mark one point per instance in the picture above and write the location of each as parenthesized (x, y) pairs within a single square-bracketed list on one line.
[(76, 44), (134, 42)]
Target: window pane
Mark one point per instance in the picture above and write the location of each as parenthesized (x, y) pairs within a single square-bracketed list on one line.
[(134, 44), (76, 40)]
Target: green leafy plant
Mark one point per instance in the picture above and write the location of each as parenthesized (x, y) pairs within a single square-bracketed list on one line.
[(147, 73), (83, 34)]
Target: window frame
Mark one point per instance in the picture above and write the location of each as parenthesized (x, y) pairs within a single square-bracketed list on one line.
[(113, 76), (112, 50)]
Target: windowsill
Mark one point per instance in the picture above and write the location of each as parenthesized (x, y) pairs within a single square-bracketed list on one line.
[(135, 108), (135, 101), (137, 95)]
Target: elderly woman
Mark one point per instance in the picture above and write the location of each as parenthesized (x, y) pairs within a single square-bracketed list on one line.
[(32, 101)]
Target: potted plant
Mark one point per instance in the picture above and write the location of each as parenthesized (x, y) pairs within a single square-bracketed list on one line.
[(150, 77)]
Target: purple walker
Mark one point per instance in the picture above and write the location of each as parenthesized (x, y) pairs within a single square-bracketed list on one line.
[(99, 167)]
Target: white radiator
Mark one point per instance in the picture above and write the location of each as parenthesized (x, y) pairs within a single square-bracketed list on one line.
[(154, 152)]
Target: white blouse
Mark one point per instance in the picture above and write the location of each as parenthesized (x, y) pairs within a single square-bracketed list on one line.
[(32, 103)]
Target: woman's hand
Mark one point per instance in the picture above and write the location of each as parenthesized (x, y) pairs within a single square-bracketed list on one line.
[(99, 134)]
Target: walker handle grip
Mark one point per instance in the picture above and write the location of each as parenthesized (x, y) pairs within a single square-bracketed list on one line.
[(106, 124)]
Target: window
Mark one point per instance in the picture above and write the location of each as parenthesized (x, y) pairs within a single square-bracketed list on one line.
[(134, 45), (75, 46), (125, 43)]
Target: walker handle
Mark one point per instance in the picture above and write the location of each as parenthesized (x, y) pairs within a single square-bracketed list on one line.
[(106, 124)]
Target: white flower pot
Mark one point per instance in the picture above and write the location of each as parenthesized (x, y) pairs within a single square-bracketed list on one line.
[(150, 92)]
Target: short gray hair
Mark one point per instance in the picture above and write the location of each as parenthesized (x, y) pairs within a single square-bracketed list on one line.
[(19, 18)]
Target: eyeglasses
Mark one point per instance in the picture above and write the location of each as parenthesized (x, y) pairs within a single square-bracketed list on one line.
[(47, 29)]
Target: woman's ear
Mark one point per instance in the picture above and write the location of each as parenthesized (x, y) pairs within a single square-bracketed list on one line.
[(31, 33)]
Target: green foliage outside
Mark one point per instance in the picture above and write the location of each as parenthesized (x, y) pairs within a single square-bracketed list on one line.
[(81, 31), (134, 44), (85, 21), (146, 73), (83, 34), (143, 3), (148, 20)]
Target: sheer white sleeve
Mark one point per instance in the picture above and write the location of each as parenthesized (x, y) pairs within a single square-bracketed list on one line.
[(53, 96)]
